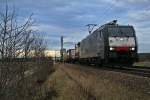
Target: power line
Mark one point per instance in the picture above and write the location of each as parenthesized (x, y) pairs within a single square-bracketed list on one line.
[(91, 27)]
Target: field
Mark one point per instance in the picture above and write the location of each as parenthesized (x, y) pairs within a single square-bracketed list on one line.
[(75, 82), (41, 80), (143, 64)]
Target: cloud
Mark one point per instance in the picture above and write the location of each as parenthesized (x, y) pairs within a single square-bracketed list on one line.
[(68, 18), (52, 34), (141, 15), (144, 46), (126, 3)]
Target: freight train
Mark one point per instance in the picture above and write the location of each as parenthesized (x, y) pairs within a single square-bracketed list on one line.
[(109, 43), (70, 56)]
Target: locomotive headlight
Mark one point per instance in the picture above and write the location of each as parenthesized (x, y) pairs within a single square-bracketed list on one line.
[(121, 39), (111, 48), (132, 49)]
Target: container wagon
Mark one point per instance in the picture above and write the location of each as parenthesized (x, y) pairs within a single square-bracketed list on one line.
[(70, 56)]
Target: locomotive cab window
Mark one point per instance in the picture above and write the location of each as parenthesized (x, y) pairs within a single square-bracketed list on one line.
[(121, 31)]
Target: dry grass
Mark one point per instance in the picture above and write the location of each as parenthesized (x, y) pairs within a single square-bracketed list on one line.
[(74, 83), (23, 80), (66, 88), (143, 64)]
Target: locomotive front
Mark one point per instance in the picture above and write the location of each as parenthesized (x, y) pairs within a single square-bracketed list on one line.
[(122, 43)]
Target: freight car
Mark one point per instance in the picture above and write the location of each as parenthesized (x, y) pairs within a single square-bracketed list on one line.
[(70, 56), (77, 50), (110, 42)]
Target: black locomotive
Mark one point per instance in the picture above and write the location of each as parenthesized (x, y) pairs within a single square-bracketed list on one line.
[(110, 42)]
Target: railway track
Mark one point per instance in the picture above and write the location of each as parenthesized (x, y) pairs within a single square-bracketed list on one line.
[(135, 70)]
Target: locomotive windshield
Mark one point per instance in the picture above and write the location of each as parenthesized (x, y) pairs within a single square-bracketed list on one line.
[(121, 31)]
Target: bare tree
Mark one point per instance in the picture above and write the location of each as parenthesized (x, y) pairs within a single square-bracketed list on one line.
[(14, 37), (39, 46), (17, 40), (28, 42)]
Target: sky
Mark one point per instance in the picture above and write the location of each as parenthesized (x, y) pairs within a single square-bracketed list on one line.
[(55, 18)]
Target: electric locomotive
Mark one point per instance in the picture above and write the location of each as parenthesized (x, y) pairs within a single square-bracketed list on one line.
[(110, 42)]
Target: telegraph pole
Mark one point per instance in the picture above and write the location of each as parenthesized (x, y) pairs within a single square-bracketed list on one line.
[(55, 56), (91, 27), (61, 51)]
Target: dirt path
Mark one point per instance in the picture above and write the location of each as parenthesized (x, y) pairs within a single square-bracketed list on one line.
[(75, 82)]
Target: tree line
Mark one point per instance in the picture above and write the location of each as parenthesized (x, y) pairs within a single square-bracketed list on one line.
[(19, 40)]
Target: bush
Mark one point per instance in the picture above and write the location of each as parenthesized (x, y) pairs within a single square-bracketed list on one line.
[(20, 79)]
